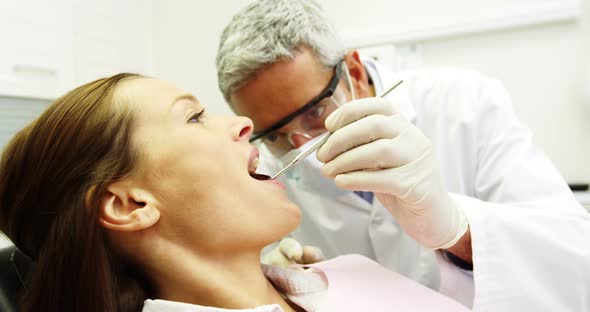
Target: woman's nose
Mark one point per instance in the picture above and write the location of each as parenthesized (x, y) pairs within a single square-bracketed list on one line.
[(242, 128)]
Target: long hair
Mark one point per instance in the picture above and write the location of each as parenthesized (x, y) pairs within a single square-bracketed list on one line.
[(52, 176)]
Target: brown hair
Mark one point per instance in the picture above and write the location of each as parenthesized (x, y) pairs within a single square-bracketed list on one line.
[(52, 176)]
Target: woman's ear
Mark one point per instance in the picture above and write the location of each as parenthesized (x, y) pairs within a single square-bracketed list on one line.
[(127, 209), (358, 74)]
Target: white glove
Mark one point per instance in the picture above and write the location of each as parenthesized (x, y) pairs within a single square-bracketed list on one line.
[(373, 148), (289, 251)]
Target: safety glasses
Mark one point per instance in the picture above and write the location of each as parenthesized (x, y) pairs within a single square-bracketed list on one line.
[(306, 122)]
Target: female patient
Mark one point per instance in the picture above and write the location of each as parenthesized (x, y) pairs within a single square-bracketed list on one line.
[(126, 189)]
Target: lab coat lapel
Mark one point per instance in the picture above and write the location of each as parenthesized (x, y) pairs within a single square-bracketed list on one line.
[(384, 78)]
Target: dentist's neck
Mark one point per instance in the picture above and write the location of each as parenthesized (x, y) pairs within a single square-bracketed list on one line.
[(372, 90)]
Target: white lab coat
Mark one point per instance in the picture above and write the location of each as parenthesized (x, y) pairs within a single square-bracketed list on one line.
[(530, 238)]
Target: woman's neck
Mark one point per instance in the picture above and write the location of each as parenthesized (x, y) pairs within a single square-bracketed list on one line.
[(233, 281)]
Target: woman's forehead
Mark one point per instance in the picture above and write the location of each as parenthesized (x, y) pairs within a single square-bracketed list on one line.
[(150, 92)]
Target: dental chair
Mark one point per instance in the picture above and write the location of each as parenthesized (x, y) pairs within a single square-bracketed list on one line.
[(14, 267)]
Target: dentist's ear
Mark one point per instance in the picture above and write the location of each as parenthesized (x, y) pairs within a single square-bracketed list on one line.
[(358, 74), (127, 209)]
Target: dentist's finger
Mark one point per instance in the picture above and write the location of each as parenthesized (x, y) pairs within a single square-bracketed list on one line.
[(358, 109), (366, 130), (276, 258), (292, 249), (400, 182), (312, 254)]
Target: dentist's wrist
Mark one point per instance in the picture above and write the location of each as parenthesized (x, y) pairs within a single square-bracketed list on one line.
[(462, 249), (459, 224)]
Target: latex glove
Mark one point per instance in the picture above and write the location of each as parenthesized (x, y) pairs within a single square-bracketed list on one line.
[(373, 148), (289, 251)]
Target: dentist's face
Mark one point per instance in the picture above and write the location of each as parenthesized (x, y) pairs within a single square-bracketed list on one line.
[(197, 165), (281, 89)]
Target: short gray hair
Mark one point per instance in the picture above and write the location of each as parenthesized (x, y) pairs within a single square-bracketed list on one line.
[(267, 31)]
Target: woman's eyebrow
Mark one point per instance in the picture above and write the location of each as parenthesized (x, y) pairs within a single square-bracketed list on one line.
[(187, 96)]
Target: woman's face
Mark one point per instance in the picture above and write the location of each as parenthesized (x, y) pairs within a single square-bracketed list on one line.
[(196, 167)]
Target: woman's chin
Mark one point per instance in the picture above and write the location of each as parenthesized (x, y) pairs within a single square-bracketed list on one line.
[(293, 224), (295, 215), (287, 223)]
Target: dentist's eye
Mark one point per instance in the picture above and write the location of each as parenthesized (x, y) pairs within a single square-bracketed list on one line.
[(195, 118)]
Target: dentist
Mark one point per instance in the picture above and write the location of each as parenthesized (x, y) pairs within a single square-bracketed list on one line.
[(438, 181)]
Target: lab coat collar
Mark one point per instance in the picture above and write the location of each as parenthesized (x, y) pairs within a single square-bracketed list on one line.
[(382, 78)]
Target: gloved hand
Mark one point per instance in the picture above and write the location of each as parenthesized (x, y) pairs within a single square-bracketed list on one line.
[(289, 251), (373, 148)]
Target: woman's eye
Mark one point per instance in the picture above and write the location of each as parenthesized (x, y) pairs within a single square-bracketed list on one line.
[(195, 118)]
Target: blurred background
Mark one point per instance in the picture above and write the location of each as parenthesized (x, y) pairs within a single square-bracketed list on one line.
[(540, 50)]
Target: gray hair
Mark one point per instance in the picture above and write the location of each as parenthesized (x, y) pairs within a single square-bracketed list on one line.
[(267, 31)]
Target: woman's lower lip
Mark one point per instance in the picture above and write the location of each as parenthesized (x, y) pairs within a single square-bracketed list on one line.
[(267, 179), (276, 182)]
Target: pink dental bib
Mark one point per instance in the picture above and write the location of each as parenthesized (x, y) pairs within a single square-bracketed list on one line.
[(356, 283)]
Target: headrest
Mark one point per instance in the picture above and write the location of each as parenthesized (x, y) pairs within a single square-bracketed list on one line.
[(14, 270)]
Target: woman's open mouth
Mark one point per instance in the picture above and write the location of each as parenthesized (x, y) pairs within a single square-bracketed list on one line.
[(259, 176), (253, 165)]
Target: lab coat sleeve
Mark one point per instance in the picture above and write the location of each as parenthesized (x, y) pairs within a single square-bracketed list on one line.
[(529, 235), (528, 260)]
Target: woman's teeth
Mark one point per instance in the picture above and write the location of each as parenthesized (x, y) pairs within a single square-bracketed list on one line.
[(254, 165), (252, 170)]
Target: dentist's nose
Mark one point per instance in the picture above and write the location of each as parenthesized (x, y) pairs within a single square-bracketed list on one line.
[(298, 139)]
